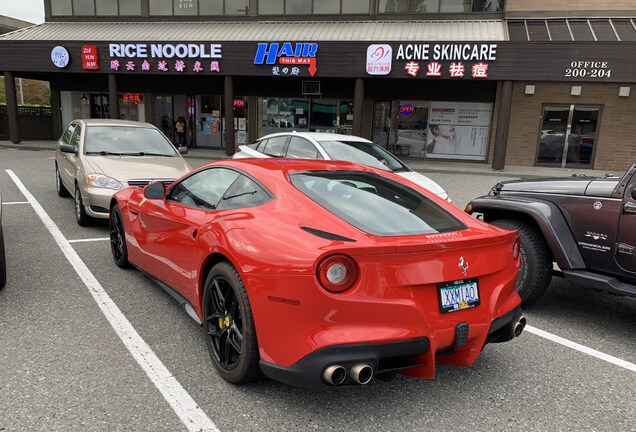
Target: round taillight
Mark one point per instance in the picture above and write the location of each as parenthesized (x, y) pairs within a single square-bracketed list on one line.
[(516, 247), (337, 273)]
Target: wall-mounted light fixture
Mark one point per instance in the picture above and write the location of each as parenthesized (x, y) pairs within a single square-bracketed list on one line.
[(624, 91), (83, 98), (576, 91), (530, 89)]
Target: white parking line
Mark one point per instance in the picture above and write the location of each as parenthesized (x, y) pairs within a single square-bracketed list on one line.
[(181, 402), (15, 202), (89, 240), (582, 348)]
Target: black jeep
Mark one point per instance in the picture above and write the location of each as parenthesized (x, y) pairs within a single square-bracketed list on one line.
[(587, 225)]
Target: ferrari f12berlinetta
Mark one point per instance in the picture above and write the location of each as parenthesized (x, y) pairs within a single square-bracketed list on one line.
[(321, 273)]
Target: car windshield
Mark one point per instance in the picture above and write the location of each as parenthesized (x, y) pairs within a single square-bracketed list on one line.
[(364, 153), (128, 141), (375, 204)]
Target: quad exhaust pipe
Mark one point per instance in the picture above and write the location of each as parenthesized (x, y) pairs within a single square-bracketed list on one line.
[(360, 373), (519, 326)]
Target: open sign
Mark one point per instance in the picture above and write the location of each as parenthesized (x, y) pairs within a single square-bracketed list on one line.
[(407, 109)]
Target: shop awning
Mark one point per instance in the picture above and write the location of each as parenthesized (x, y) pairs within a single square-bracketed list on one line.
[(343, 31)]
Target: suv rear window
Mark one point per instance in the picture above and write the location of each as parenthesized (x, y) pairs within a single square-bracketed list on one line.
[(375, 204)]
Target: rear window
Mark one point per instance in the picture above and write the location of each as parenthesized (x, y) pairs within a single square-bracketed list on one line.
[(363, 153), (375, 204)]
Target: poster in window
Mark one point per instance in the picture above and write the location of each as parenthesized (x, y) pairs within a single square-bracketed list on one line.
[(458, 130)]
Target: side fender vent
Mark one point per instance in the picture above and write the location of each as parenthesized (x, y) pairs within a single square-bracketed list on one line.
[(326, 235)]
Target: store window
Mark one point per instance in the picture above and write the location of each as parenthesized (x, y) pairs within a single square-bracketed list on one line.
[(440, 6), (441, 130), (308, 115), (130, 7), (61, 7), (568, 135), (186, 7), (105, 7), (305, 7), (83, 7), (160, 7)]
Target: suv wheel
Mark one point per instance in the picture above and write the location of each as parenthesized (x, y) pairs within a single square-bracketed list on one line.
[(535, 268)]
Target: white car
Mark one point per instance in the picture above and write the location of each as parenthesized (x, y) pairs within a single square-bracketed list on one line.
[(316, 145)]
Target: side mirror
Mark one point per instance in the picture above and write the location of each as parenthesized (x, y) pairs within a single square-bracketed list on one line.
[(183, 150), (634, 193), (67, 148), (155, 191)]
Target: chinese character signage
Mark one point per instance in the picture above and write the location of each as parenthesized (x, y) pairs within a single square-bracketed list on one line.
[(458, 130), (455, 61), (290, 57), (133, 98), (90, 60), (165, 57), (379, 59)]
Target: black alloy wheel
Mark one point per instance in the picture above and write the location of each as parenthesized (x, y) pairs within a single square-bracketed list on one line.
[(229, 326), (118, 238)]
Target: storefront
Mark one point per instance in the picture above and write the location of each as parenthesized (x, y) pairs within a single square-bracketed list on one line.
[(489, 101)]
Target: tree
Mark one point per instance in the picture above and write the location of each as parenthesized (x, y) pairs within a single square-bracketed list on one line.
[(35, 93)]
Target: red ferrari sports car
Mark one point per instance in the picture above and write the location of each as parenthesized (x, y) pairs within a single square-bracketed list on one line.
[(321, 273)]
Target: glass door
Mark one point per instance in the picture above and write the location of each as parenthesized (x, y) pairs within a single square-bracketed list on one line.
[(568, 136), (324, 115), (553, 131), (582, 138), (163, 115)]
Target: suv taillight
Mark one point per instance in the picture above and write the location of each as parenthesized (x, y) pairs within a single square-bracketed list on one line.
[(337, 273)]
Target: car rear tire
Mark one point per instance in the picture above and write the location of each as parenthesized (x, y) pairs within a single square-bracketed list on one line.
[(61, 190), (80, 213), (229, 326), (118, 238), (3, 262), (535, 269)]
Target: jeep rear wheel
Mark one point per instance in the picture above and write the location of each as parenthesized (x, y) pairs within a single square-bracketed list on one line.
[(535, 268)]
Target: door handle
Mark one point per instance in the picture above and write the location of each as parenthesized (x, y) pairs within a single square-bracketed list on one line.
[(625, 249), (629, 208)]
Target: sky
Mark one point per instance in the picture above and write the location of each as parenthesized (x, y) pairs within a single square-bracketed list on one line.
[(25, 10)]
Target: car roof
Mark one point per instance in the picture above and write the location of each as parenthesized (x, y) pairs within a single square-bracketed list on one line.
[(115, 122), (287, 166), (320, 136)]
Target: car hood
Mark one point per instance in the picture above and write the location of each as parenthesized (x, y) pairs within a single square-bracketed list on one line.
[(591, 186), (138, 167), (423, 181)]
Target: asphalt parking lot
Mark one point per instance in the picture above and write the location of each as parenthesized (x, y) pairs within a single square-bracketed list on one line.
[(87, 346)]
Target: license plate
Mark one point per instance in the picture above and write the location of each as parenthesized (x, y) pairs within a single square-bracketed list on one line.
[(458, 295)]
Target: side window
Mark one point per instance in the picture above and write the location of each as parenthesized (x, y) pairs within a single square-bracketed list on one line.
[(274, 146), (66, 138), (300, 148), (260, 146), (75, 139), (243, 193), (203, 189)]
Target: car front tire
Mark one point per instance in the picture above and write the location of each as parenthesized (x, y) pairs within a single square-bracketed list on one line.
[(61, 190), (3, 262), (80, 213), (118, 238), (535, 268), (229, 326)]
